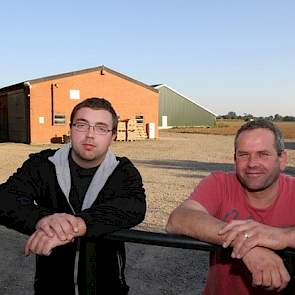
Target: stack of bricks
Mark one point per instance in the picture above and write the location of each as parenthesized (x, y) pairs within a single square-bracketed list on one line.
[(121, 131)]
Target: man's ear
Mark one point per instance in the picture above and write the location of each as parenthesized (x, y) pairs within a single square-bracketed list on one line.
[(283, 160), (114, 135)]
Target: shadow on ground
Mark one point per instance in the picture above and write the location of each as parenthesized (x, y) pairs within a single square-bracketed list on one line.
[(185, 165), (290, 145), (196, 165)]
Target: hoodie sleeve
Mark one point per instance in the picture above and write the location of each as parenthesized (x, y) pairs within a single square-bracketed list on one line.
[(18, 209)]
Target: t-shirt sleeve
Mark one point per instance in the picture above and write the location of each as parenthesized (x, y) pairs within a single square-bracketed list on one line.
[(209, 193)]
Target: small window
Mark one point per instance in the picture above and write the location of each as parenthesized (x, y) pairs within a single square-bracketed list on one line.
[(59, 119), (139, 118), (74, 94)]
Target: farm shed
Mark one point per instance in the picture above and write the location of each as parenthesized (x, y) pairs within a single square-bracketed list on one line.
[(177, 110), (38, 111)]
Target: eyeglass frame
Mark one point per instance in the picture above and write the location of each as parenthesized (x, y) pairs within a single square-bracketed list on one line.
[(93, 126)]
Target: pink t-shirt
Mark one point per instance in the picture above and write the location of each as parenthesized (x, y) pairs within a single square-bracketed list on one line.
[(223, 196)]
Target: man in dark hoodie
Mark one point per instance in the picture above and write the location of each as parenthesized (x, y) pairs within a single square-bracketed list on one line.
[(68, 199)]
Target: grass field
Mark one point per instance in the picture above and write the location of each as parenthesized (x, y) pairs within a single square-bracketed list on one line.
[(229, 127)]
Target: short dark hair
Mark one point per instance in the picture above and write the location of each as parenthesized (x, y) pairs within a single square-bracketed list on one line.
[(96, 103), (265, 124)]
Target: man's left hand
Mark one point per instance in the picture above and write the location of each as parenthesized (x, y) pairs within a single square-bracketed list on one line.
[(65, 226), (243, 235)]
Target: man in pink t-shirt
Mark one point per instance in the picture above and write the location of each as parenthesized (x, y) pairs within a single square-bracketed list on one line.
[(248, 211)]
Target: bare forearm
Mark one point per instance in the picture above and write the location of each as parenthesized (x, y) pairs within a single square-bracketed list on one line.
[(196, 224), (289, 233)]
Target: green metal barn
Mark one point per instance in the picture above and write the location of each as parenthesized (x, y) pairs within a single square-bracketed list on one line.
[(177, 110)]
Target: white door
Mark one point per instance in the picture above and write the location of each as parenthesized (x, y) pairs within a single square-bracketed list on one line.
[(164, 121)]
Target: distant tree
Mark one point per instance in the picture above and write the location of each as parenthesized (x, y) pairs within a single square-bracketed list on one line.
[(289, 118), (270, 118), (247, 117), (231, 115), (278, 117)]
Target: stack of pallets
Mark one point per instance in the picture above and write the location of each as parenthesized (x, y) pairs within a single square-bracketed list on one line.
[(121, 131), (140, 131), (131, 128)]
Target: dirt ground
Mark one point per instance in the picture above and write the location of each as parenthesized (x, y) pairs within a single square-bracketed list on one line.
[(170, 167)]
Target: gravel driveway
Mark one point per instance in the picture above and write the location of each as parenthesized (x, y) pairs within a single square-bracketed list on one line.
[(170, 167)]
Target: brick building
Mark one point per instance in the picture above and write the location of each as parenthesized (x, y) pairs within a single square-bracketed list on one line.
[(38, 111)]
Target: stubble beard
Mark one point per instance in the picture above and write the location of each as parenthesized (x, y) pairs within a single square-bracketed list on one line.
[(85, 157), (262, 185)]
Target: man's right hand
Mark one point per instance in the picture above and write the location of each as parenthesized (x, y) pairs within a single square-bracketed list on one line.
[(267, 269), (41, 244), (65, 226)]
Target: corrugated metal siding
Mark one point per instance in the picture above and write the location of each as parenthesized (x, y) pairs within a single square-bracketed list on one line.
[(182, 112)]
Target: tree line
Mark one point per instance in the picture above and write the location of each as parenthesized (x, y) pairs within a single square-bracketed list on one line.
[(246, 117)]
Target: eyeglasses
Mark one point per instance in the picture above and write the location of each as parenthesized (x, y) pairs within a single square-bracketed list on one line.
[(84, 127)]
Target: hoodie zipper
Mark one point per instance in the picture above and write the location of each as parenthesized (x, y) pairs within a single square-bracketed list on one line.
[(120, 265), (77, 256)]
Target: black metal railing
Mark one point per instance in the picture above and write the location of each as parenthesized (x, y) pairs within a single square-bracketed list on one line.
[(180, 241), (171, 240)]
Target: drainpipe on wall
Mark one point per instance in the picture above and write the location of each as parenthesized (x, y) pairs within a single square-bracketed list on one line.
[(28, 84), (27, 91), (52, 105), (53, 86)]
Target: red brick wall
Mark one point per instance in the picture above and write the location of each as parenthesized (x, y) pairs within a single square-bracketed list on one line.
[(128, 99)]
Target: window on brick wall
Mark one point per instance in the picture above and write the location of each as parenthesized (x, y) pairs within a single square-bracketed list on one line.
[(59, 119), (139, 118), (74, 94)]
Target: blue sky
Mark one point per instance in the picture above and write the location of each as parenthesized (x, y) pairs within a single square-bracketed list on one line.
[(226, 55)]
